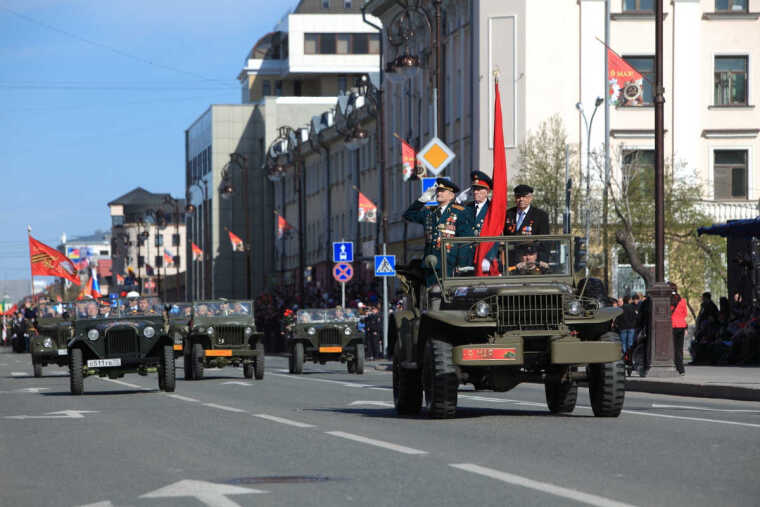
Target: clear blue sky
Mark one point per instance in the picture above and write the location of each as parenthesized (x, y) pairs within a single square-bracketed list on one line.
[(95, 96)]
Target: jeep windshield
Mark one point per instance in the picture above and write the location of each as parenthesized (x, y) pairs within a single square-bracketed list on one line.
[(118, 308), (513, 256), (326, 315), (222, 308), (53, 311), (179, 310)]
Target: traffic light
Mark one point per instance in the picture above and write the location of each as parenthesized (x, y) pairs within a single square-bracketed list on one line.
[(579, 253)]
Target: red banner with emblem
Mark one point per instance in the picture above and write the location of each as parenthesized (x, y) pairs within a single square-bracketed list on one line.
[(47, 261), (626, 84), (367, 209)]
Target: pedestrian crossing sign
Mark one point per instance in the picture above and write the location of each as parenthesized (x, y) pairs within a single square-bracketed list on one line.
[(385, 265)]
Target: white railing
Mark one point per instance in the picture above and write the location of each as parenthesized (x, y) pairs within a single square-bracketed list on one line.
[(723, 211)]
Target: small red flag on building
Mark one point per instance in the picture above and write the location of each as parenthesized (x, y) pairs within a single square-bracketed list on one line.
[(168, 259), (409, 163), (47, 261), (119, 279), (197, 252), (626, 84), (282, 226), (367, 209), (237, 243)]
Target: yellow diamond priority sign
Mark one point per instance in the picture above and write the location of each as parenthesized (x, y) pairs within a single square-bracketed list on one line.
[(435, 156)]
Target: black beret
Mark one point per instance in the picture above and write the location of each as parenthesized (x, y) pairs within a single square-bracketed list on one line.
[(447, 184), (523, 189), (481, 179)]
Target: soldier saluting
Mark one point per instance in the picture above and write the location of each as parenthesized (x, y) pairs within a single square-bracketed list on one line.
[(444, 219)]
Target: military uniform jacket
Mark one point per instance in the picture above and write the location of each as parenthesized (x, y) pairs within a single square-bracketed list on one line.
[(455, 221), (535, 222), (480, 218)]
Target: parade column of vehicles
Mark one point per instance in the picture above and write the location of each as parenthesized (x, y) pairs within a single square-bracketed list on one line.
[(322, 335), (55, 329)]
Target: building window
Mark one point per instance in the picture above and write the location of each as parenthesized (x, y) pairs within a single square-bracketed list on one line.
[(266, 88), (730, 174), (175, 239), (731, 5), (175, 260), (140, 261), (117, 220), (341, 43), (159, 240), (297, 88), (140, 240), (159, 261), (278, 88), (325, 4), (342, 84), (638, 159), (645, 65), (347, 4), (638, 5), (730, 80), (360, 44)]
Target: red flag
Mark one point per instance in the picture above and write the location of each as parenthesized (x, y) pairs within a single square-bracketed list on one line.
[(168, 257), (91, 290), (119, 279), (367, 209), (282, 226), (493, 225), (197, 252), (408, 159), (626, 84), (237, 243), (47, 261), (11, 310)]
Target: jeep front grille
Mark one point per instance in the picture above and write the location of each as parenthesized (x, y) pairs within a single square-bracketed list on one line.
[(535, 312), (232, 335), (122, 341), (329, 336)]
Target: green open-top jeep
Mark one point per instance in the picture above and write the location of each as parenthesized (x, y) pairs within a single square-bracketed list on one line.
[(322, 335), (55, 330), (524, 323), (223, 333), (123, 336), (180, 315)]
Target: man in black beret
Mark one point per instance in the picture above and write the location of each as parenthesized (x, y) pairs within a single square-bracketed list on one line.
[(524, 218), (481, 185)]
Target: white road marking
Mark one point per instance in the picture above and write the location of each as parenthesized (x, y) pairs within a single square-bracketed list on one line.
[(284, 421), (339, 382), (237, 383), (62, 414), (376, 443), (182, 398), (105, 503), (34, 390), (543, 487), (372, 402), (19, 374), (709, 409), (208, 493), (698, 419), (224, 407), (126, 384)]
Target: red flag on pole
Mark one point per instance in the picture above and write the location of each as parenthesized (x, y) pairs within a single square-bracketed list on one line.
[(197, 252), (493, 225), (367, 209), (237, 243), (282, 226), (47, 261), (119, 279), (626, 84)]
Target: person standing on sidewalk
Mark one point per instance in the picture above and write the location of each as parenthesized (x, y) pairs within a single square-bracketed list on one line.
[(678, 321), (626, 324)]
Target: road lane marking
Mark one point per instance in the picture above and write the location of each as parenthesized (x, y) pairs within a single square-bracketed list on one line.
[(543, 487), (19, 374), (122, 383), (709, 409), (376, 443), (339, 382), (698, 419), (284, 421), (372, 402), (224, 407), (182, 398)]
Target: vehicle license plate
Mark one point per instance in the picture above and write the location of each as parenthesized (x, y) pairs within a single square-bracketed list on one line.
[(331, 349), (63, 352), (100, 363), (489, 354)]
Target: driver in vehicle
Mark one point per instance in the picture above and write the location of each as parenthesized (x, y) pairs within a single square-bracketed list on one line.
[(143, 306), (202, 311), (239, 309), (91, 310), (528, 264), (105, 310)]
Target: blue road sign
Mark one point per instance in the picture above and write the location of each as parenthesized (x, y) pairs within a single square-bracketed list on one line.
[(343, 251), (429, 182), (385, 265)]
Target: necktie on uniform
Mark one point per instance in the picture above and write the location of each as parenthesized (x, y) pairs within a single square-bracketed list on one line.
[(520, 218)]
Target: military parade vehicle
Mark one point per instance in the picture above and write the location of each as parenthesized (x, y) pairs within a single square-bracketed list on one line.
[(124, 336), (223, 333), (179, 315), (525, 323), (322, 335), (54, 327)]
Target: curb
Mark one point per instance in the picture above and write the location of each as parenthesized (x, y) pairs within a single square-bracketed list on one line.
[(720, 391)]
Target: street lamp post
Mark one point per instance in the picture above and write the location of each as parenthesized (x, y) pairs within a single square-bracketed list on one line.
[(226, 190), (589, 124), (191, 208)]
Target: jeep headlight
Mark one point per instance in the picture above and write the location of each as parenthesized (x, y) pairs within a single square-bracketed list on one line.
[(93, 334), (347, 331), (210, 330), (47, 343), (149, 332), (482, 309), (311, 331), (248, 331), (573, 307), (201, 329)]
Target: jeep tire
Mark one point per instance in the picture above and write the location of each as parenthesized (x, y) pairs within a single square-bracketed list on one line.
[(76, 375), (37, 368), (259, 362), (297, 358), (439, 380), (188, 362), (606, 384), (351, 366), (197, 361), (407, 386), (561, 396), (248, 369), (167, 374), (359, 359)]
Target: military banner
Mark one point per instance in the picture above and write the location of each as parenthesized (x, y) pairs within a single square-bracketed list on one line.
[(236, 242), (626, 84), (47, 261), (367, 209), (197, 252)]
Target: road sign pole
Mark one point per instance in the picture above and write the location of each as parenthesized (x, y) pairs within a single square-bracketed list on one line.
[(343, 294), (385, 311)]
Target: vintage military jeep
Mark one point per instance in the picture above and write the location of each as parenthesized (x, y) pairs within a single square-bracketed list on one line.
[(130, 337), (54, 325), (179, 315), (526, 323), (223, 333), (322, 335)]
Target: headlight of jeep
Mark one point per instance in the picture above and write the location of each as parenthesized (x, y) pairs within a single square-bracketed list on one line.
[(311, 331), (201, 329), (482, 309), (93, 334), (347, 331), (248, 331), (210, 331), (149, 332), (47, 343), (573, 307)]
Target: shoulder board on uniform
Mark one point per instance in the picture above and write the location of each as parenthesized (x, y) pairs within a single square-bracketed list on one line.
[(457, 206)]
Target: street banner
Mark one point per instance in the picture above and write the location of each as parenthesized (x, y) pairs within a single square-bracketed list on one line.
[(236, 242), (367, 209), (282, 226), (493, 225), (197, 252), (47, 261), (119, 279), (408, 160), (626, 84), (168, 259)]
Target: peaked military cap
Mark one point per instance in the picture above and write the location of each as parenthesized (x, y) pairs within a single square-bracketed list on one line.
[(523, 189), (481, 179), (447, 184)]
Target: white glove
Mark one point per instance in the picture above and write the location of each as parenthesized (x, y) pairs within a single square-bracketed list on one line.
[(428, 195), (485, 266), (462, 196)]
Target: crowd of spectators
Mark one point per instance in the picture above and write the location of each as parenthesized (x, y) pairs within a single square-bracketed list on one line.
[(726, 334)]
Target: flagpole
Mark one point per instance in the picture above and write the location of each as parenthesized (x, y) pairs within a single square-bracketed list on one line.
[(605, 199), (31, 271)]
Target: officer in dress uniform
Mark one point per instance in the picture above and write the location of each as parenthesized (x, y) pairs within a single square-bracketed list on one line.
[(481, 185), (445, 218), (525, 219)]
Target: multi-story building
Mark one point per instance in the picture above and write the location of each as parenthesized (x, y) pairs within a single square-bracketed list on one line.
[(147, 230), (291, 74), (92, 251)]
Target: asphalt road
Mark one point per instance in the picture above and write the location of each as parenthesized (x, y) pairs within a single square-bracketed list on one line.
[(328, 438)]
